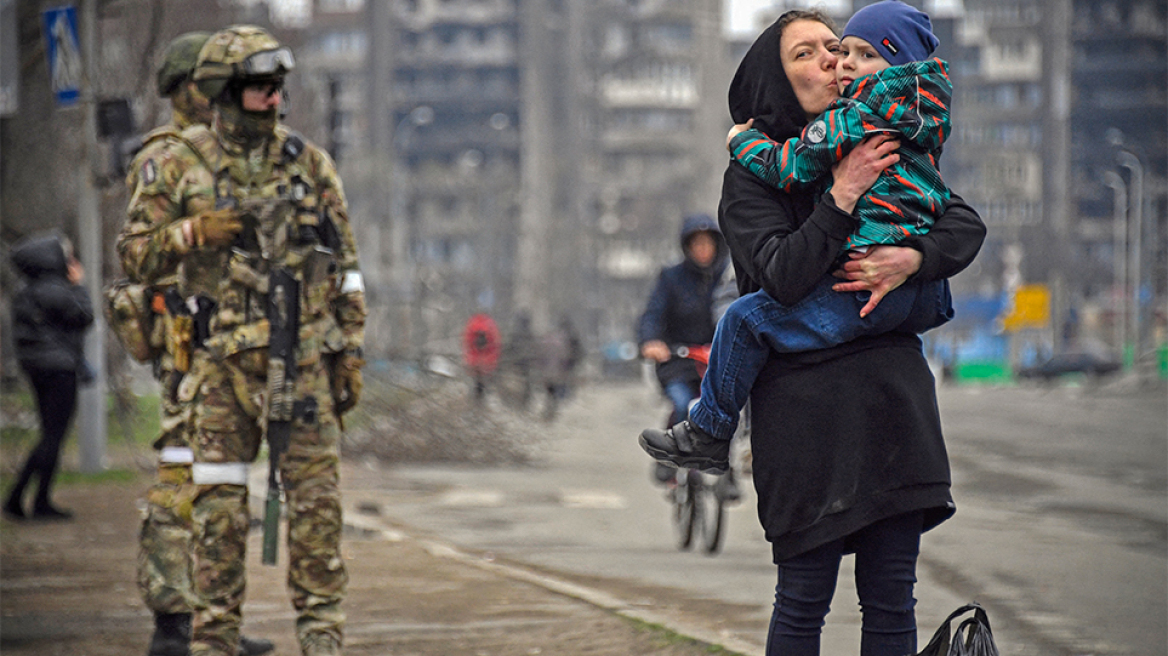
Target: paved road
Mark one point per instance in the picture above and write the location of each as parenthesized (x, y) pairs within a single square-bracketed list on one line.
[(1061, 529)]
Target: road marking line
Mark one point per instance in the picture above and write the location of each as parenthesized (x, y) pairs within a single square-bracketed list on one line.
[(592, 499)]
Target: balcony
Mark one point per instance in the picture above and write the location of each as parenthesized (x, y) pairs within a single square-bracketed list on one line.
[(421, 15), (459, 48), (659, 85), (469, 95)]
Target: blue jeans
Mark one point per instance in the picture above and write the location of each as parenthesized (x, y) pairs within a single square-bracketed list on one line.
[(680, 393), (756, 324), (886, 560)]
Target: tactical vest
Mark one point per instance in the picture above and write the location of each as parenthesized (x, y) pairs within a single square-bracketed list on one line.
[(132, 310), (284, 226)]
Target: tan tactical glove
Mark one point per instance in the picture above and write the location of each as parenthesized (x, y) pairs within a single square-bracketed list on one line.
[(214, 228), (347, 381), (211, 228)]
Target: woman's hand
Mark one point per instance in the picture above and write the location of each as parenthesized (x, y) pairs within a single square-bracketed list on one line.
[(879, 270), (656, 350), (738, 129), (859, 169)]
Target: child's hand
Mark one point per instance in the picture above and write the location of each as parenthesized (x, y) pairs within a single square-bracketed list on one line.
[(737, 130)]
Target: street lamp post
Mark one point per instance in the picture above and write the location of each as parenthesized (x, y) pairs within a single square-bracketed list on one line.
[(1135, 230), (1119, 257), (404, 228)]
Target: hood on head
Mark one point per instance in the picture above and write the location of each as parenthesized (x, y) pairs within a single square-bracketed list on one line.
[(760, 90), (695, 223), (40, 255)]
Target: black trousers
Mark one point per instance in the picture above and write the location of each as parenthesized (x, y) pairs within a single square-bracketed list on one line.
[(56, 397)]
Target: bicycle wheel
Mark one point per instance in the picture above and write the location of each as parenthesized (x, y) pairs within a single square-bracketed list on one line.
[(685, 508), (712, 513)]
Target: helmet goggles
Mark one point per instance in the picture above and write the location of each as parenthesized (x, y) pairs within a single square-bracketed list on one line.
[(269, 62)]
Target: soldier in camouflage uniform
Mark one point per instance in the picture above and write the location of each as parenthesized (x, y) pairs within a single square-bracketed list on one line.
[(227, 208), (164, 555)]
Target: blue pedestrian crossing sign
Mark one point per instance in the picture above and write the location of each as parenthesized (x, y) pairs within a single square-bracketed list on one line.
[(64, 51)]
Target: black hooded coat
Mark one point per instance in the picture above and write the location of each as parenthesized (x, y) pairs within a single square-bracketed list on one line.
[(851, 435), (49, 314)]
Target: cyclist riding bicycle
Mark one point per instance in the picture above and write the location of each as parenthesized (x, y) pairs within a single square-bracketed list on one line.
[(680, 312)]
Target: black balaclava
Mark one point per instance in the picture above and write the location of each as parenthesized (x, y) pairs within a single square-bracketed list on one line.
[(241, 127), (761, 90)]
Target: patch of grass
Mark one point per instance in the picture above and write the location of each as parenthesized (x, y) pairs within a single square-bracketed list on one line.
[(129, 417), (132, 425), (134, 418), (66, 478), (107, 476), (667, 637)]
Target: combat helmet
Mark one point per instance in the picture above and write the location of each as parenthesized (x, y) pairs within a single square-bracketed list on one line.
[(179, 60), (241, 54)]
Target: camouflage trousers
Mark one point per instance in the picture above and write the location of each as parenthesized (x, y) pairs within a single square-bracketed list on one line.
[(164, 540), (228, 397)]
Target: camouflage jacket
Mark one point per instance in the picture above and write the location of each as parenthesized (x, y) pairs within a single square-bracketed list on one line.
[(288, 182), (143, 166), (910, 101)]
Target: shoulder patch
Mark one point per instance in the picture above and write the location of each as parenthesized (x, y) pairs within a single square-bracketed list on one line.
[(149, 171)]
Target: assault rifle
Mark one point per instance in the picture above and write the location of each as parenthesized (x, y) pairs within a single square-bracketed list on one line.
[(283, 310)]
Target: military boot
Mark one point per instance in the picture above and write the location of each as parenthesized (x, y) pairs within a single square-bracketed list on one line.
[(254, 646), (320, 644), (172, 635)]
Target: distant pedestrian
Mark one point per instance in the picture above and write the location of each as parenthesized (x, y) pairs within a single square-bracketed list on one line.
[(519, 356), (559, 353), (49, 315), (481, 346)]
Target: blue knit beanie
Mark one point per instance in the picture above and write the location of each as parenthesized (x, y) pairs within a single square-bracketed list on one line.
[(899, 32)]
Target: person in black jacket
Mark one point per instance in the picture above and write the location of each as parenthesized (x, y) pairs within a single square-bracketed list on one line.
[(49, 315), (679, 311), (848, 454)]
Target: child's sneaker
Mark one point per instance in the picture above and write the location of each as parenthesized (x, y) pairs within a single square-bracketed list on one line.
[(686, 445)]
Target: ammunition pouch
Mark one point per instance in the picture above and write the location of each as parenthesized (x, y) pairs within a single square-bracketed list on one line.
[(190, 326), (130, 311)]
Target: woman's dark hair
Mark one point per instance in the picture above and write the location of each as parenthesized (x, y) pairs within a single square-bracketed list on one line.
[(813, 14), (760, 89)]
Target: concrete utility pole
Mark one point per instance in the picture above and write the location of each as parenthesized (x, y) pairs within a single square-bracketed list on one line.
[(1057, 212), (714, 74), (91, 418), (377, 233), (537, 163)]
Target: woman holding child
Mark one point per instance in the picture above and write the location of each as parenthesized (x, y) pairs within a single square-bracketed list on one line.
[(847, 445)]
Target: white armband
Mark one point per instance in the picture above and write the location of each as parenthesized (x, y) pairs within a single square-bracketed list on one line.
[(219, 473), (176, 455), (352, 282)]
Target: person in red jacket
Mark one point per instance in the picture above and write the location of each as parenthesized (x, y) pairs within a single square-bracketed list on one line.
[(481, 345)]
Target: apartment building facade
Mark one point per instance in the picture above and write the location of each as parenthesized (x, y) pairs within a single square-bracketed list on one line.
[(519, 156)]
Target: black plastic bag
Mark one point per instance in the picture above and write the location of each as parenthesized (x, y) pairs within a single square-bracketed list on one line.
[(973, 636)]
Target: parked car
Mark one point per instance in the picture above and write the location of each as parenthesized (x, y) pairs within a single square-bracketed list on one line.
[(1090, 364)]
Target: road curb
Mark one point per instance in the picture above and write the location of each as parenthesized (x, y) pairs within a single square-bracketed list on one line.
[(376, 526)]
